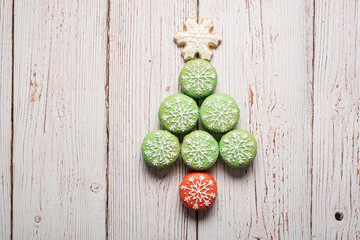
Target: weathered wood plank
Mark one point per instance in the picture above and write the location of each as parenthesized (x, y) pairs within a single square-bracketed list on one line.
[(336, 180), (265, 62), (59, 119), (5, 117), (143, 70)]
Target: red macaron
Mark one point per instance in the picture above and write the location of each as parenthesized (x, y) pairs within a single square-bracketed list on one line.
[(198, 190)]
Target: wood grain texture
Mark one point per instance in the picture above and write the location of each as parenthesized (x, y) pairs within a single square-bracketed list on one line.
[(265, 63), (144, 65), (5, 117), (292, 66), (59, 120), (336, 181)]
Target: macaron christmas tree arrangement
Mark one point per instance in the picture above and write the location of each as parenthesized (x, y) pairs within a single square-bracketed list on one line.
[(179, 114)]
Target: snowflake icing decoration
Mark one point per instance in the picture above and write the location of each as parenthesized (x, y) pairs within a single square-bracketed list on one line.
[(198, 192), (161, 149), (199, 150), (238, 148), (197, 38), (179, 114), (199, 77), (220, 114)]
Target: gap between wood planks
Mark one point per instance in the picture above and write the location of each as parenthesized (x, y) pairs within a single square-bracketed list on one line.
[(107, 117), (312, 119), (12, 120)]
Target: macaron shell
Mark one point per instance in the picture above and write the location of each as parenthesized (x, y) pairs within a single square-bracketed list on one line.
[(198, 78), (178, 114), (219, 113), (160, 149), (199, 150), (198, 191), (241, 156)]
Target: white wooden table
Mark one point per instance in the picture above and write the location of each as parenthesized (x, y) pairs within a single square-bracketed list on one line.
[(80, 86)]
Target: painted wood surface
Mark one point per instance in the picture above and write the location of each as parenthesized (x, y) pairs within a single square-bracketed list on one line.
[(89, 76), (5, 117), (265, 63), (59, 158), (336, 167), (144, 65)]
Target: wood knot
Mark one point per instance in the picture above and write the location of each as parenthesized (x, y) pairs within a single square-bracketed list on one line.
[(95, 187), (339, 216), (340, 100), (37, 219)]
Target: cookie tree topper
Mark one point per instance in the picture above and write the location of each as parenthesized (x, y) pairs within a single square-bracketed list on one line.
[(197, 38)]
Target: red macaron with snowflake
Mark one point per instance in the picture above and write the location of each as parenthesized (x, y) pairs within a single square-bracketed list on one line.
[(198, 190)]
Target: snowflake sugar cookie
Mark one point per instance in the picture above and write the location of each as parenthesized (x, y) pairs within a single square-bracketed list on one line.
[(198, 191), (178, 113), (238, 148), (197, 38), (160, 149), (219, 113), (198, 78), (199, 150)]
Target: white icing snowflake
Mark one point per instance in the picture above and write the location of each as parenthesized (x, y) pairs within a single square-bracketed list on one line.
[(220, 114), (161, 149), (198, 150), (199, 77), (180, 115), (198, 191), (197, 38), (238, 147)]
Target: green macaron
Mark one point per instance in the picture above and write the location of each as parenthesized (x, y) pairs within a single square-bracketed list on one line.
[(199, 150), (198, 78), (178, 113), (219, 113), (238, 148), (160, 149)]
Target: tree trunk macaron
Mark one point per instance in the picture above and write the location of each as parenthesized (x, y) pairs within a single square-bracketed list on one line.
[(198, 191)]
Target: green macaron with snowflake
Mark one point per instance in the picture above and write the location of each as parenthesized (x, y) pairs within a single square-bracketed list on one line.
[(238, 148), (198, 78), (178, 113), (219, 113), (160, 149), (199, 150)]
